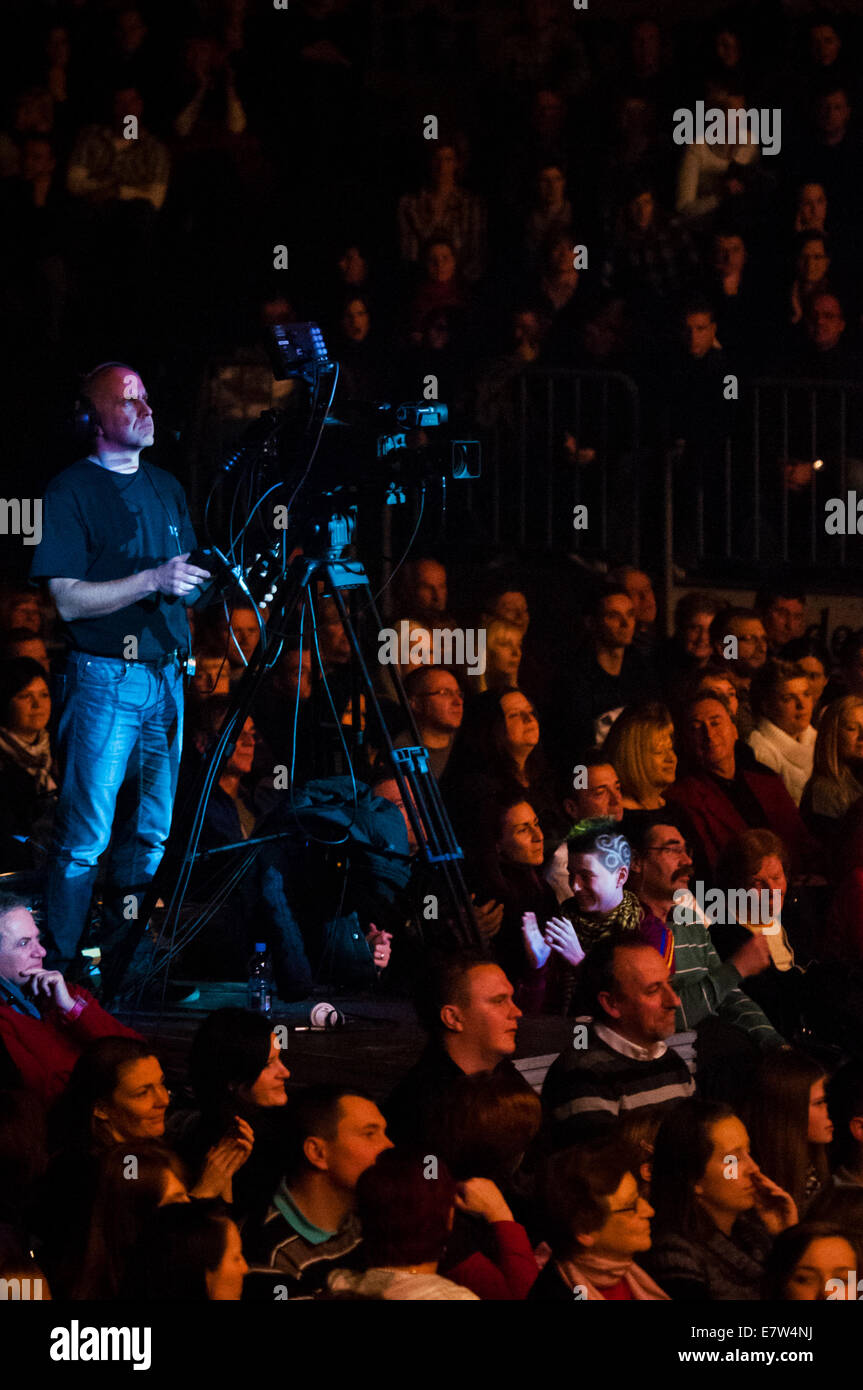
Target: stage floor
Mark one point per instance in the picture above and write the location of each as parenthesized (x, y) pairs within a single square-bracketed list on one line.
[(379, 1042)]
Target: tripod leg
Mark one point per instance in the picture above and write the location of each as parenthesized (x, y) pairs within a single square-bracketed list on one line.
[(419, 788)]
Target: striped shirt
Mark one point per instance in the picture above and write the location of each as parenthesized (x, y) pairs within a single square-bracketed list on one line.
[(708, 985), (587, 1089)]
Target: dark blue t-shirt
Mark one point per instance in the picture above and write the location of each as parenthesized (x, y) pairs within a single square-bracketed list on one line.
[(99, 525)]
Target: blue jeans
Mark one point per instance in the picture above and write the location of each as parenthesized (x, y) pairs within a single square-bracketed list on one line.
[(118, 745)]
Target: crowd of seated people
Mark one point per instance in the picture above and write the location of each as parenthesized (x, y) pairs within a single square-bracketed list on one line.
[(624, 1182)]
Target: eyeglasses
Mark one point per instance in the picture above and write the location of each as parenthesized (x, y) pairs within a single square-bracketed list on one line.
[(433, 694), (679, 849)]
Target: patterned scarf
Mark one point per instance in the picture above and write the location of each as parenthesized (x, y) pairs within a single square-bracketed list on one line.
[(34, 758), (623, 920)]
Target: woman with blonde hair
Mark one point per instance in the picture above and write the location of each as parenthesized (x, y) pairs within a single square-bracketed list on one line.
[(640, 747), (837, 769), (503, 641)]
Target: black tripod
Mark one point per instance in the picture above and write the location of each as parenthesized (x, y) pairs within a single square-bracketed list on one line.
[(327, 538)]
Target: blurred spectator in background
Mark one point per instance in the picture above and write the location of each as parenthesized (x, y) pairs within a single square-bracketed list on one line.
[(21, 642), (441, 286), (809, 655), (688, 649), (28, 774), (364, 370), (739, 642), (607, 674), (711, 175), (639, 586), (837, 767), (783, 737), (444, 211), (550, 215), (652, 260), (783, 611), (503, 656), (20, 608)]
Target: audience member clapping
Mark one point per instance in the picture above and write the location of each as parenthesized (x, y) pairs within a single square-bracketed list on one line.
[(507, 869), (238, 1080)]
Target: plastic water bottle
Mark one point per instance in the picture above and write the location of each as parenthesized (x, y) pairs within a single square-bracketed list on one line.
[(260, 981)]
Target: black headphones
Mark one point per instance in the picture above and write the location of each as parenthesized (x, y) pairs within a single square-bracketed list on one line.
[(85, 417)]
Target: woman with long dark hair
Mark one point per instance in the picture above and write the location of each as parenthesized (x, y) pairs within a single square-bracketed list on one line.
[(497, 753), (28, 785), (716, 1213), (810, 1263), (133, 1182), (237, 1076), (786, 1113), (189, 1253), (116, 1096), (506, 867)]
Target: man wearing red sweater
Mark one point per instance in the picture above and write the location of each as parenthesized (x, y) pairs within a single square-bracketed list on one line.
[(44, 1023), (721, 798)]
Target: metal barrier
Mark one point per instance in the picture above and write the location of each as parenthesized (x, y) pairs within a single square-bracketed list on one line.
[(557, 439), (757, 499)]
